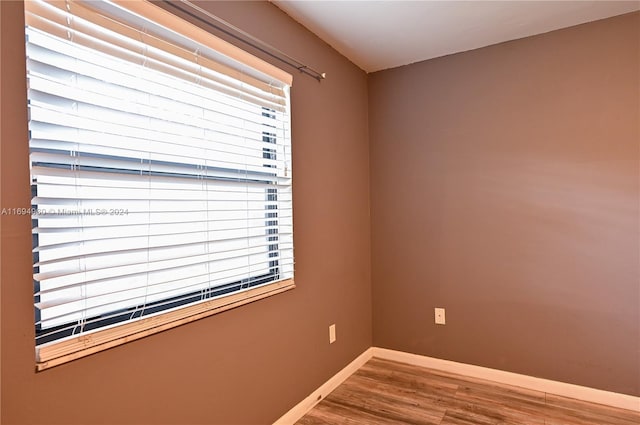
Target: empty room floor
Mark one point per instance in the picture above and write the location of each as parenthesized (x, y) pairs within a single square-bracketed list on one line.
[(388, 392)]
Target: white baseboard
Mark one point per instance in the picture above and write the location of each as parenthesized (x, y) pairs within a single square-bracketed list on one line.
[(301, 409), (592, 395)]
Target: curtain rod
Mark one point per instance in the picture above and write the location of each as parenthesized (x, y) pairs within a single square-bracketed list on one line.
[(235, 32)]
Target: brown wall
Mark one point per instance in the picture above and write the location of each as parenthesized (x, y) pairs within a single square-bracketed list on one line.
[(505, 188), (249, 365)]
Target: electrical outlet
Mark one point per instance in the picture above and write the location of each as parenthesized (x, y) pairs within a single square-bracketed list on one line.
[(332, 334), (439, 315)]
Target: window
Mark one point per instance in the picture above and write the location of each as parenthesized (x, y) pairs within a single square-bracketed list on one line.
[(160, 174)]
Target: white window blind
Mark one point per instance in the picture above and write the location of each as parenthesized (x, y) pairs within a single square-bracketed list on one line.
[(160, 171)]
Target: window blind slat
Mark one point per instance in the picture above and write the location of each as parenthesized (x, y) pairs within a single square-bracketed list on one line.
[(86, 26), (226, 120), (92, 253), (156, 288), (163, 145), (93, 306), (77, 276)]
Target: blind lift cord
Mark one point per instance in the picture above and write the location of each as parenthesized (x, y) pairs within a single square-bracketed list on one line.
[(235, 32)]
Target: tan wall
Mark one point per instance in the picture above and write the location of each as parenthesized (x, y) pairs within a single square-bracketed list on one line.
[(505, 188), (248, 365)]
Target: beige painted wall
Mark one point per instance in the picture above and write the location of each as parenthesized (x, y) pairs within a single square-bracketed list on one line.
[(245, 366), (505, 188)]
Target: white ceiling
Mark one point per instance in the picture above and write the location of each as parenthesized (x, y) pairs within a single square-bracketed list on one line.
[(377, 35)]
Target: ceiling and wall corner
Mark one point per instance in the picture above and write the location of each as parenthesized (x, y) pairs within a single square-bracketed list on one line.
[(377, 35)]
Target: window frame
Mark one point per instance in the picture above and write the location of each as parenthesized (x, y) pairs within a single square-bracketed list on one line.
[(59, 351)]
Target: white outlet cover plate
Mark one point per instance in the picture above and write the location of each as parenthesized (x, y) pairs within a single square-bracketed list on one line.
[(332, 334)]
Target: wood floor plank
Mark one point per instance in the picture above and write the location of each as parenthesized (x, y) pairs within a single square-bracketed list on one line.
[(430, 391), (384, 392), (418, 378), (502, 407), (384, 405), (328, 412), (598, 411), (563, 410)]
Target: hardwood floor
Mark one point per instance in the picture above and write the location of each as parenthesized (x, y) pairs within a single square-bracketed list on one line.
[(387, 392)]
